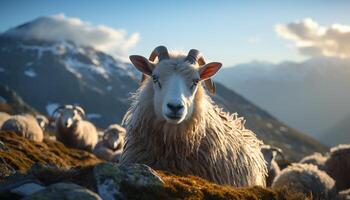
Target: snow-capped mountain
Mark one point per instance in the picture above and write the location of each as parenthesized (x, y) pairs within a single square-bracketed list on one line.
[(310, 96), (51, 73)]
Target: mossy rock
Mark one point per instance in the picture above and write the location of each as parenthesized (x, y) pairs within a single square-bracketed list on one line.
[(67, 191), (112, 178)]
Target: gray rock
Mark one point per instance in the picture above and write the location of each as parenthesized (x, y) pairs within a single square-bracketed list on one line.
[(67, 191), (109, 178), (27, 189), (139, 175)]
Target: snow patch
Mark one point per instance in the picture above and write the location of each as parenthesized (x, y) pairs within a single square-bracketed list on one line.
[(30, 73), (58, 48), (51, 107), (74, 66), (95, 61)]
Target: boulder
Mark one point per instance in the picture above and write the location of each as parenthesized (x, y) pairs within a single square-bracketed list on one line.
[(67, 191), (110, 178)]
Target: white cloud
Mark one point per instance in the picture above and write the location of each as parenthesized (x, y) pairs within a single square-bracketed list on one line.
[(60, 27), (314, 40)]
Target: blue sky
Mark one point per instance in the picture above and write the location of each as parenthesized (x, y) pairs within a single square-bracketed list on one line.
[(228, 31)]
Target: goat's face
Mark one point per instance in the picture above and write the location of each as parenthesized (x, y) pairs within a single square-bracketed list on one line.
[(175, 83), (68, 117), (113, 140)]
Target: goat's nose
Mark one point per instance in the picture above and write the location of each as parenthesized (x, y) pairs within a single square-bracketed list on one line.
[(175, 107)]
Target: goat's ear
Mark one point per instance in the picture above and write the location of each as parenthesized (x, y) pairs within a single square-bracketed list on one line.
[(209, 70), (142, 64)]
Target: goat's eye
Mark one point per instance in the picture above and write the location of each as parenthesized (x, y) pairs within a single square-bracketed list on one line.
[(194, 83), (156, 81)]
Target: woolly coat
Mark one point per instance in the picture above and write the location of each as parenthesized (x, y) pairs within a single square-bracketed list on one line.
[(81, 135), (25, 126), (212, 144), (338, 166), (316, 159), (307, 179)]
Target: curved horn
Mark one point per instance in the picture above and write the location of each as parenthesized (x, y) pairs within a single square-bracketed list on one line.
[(161, 52), (56, 110), (195, 56), (80, 110)]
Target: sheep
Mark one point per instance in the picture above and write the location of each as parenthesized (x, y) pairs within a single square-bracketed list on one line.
[(72, 130), (338, 166), (25, 126), (316, 159), (270, 154), (3, 117), (307, 179), (173, 125), (111, 146)]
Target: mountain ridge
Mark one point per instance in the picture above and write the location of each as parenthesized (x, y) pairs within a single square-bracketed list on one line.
[(311, 95)]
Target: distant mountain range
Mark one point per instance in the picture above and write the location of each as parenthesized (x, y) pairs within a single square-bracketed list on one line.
[(51, 73), (47, 74), (312, 96), (339, 133)]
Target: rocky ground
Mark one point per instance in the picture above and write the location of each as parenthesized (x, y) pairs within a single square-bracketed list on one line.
[(49, 170)]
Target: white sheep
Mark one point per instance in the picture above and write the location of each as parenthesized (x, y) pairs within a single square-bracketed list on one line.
[(173, 124), (270, 155), (111, 146), (316, 159), (338, 166), (307, 179), (25, 126), (3, 117), (72, 130)]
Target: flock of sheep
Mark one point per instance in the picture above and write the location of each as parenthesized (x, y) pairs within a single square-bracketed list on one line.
[(321, 176), (71, 129), (174, 125)]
